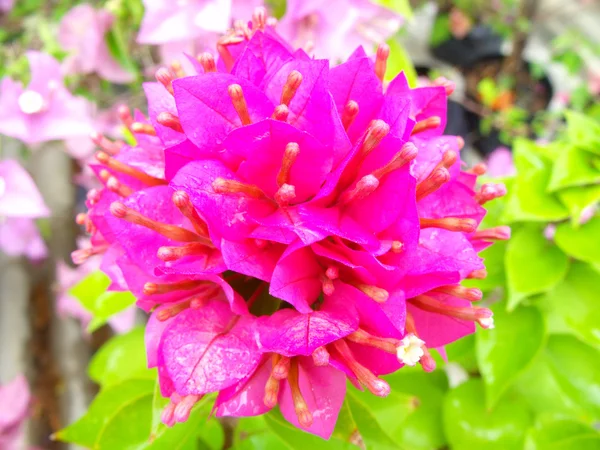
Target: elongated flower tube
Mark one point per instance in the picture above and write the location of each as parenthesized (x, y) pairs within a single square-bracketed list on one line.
[(290, 224)]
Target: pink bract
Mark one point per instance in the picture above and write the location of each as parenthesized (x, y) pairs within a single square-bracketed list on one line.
[(290, 224)]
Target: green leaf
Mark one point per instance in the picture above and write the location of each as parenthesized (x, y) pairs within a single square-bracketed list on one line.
[(116, 42), (573, 167), (371, 432), (469, 425), (299, 440), (508, 349), (91, 293), (582, 243), (488, 91), (528, 199), (400, 61), (440, 31), (577, 199), (252, 433), (423, 428), (402, 7), (121, 358), (572, 306), (556, 433), (124, 410), (539, 388), (533, 264), (575, 365), (584, 131)]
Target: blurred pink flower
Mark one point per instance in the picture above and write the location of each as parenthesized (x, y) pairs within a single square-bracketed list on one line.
[(6, 5), (15, 399), (81, 32), (500, 163), (45, 110), (20, 204), (333, 29)]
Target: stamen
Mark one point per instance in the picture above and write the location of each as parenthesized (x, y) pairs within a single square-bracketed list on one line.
[(164, 77), (259, 18), (118, 188), (320, 357), (479, 169), (110, 147), (460, 142), (426, 360), (175, 253), (239, 103), (365, 186), (411, 350), (170, 120), (377, 294), (93, 196), (501, 233), (182, 201), (450, 224), (281, 369), (81, 219), (143, 128), (281, 113), (426, 124), (177, 69), (207, 61), (383, 53), (478, 274), (470, 294), (472, 313), (408, 152), (327, 285), (375, 385), (272, 386), (293, 82), (125, 169), (174, 232), (302, 412), (375, 134), (224, 52), (80, 256), (289, 158), (166, 416), (397, 246), (332, 272), (364, 338), (172, 311), (349, 113), (433, 182), (223, 186), (184, 407), (125, 116), (448, 85), (285, 195), (165, 288), (490, 191)]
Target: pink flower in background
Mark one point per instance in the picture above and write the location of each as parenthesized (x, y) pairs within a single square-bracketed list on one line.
[(333, 29), (15, 400), (45, 110), (20, 204), (82, 33), (290, 225), (500, 163), (6, 5)]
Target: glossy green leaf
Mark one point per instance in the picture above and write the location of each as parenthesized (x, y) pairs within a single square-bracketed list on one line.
[(469, 425), (575, 365), (577, 199), (528, 199), (400, 61), (583, 242), (584, 131), (122, 357), (508, 349), (540, 389), (572, 306), (124, 410), (252, 433), (573, 167), (533, 264), (556, 433)]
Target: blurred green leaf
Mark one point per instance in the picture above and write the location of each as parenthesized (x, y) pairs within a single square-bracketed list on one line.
[(400, 61), (91, 293), (116, 42), (528, 199), (121, 358), (488, 91), (402, 7), (583, 131), (575, 365), (555, 433), (582, 243), (440, 31), (572, 306), (507, 350), (469, 425), (533, 264), (573, 167), (252, 433), (577, 199)]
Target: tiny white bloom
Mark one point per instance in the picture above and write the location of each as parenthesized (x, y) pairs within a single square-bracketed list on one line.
[(410, 350), (31, 102), (486, 322)]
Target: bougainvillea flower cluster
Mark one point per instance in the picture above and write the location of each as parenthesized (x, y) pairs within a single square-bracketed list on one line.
[(290, 225), (15, 400)]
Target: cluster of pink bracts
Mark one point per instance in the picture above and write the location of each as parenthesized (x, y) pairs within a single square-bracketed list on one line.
[(289, 225)]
